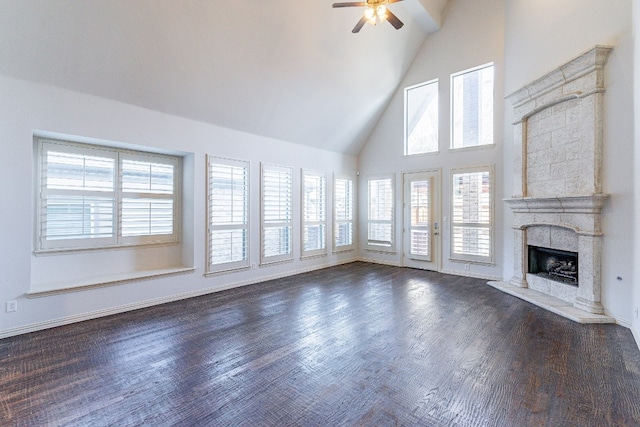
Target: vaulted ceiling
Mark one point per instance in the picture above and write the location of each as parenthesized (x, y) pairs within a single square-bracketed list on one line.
[(285, 69)]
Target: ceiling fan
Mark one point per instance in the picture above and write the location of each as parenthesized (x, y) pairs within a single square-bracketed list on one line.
[(376, 11)]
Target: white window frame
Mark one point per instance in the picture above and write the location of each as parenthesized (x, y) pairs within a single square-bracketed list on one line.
[(118, 155), (477, 259), (243, 224), (339, 220), (407, 93), (285, 222), (452, 103), (380, 245), (322, 222)]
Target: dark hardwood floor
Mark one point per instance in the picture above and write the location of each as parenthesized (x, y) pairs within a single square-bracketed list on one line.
[(359, 344)]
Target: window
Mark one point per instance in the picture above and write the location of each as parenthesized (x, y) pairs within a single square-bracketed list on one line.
[(95, 196), (314, 213), (343, 203), (421, 118), (228, 213), (380, 219), (471, 224), (276, 214), (472, 107)]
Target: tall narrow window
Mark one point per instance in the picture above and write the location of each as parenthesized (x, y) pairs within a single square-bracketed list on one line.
[(471, 211), (343, 205), (380, 230), (314, 213), (472, 107), (421, 118), (276, 214), (96, 196), (228, 212)]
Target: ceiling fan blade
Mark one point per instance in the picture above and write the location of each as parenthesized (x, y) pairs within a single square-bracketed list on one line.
[(350, 4), (393, 20), (393, 1), (359, 25)]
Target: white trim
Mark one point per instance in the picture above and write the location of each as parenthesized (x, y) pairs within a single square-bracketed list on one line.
[(213, 269), (381, 262), (451, 106), (264, 260), (303, 223), (471, 275), (352, 221), (636, 335), (406, 117), (382, 247), (44, 289), (478, 259)]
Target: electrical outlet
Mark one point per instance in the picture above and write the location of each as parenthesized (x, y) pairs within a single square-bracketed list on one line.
[(254, 266), (12, 306), (466, 267)]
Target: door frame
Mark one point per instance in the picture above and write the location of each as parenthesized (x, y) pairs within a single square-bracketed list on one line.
[(436, 214)]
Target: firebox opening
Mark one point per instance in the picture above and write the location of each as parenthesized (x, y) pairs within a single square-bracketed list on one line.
[(554, 264)]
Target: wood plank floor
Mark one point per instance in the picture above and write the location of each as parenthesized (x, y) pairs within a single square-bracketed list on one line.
[(358, 344)]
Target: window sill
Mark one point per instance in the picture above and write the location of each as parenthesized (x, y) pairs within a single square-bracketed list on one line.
[(226, 271), (54, 288), (472, 148), (389, 251), (427, 154)]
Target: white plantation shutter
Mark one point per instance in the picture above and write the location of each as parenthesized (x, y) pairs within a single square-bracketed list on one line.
[(276, 213), (147, 197), (228, 207), (77, 197), (93, 196), (314, 213), (420, 224), (380, 218), (343, 203), (471, 215)]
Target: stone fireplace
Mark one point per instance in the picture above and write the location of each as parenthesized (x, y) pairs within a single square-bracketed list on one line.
[(557, 198)]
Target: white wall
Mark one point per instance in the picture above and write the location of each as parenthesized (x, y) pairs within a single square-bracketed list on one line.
[(472, 35), (29, 107), (635, 327), (540, 36)]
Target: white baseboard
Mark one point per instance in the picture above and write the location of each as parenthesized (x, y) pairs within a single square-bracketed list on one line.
[(623, 322), (377, 261), (636, 335), (471, 274), (33, 327)]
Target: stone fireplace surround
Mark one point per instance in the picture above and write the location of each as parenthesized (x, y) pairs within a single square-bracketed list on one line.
[(558, 199)]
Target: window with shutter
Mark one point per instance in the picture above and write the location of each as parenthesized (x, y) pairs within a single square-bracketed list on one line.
[(343, 206), (380, 230), (314, 213), (228, 213), (276, 214), (93, 196), (471, 214)]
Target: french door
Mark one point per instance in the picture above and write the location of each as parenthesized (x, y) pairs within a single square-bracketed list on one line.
[(421, 220)]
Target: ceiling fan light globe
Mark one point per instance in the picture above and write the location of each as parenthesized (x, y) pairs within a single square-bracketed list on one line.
[(369, 13), (381, 11)]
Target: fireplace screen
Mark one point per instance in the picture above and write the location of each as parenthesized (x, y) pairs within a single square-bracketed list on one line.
[(554, 264)]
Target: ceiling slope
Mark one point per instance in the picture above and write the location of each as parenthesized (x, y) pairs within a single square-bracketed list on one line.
[(284, 69)]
